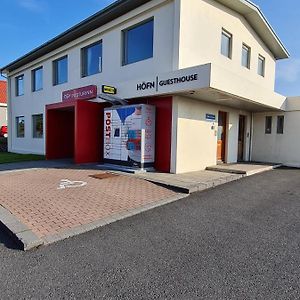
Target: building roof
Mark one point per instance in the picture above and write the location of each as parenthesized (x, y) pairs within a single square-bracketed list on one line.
[(249, 10), (3, 95)]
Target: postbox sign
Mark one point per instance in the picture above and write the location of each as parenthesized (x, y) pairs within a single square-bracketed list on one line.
[(83, 93)]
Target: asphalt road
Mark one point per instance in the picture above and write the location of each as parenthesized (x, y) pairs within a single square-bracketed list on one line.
[(238, 241)]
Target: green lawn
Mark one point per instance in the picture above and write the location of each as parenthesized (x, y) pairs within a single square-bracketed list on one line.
[(7, 157)]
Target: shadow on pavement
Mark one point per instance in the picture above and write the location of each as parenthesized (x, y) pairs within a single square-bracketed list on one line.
[(7, 240)]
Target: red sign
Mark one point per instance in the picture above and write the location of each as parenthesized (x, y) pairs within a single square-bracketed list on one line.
[(84, 93)]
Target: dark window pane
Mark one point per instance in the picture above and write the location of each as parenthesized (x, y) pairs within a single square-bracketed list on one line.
[(37, 77), (246, 56), (92, 59), (261, 66), (37, 126), (268, 129), (138, 43), (20, 127), (280, 124), (20, 85), (61, 71)]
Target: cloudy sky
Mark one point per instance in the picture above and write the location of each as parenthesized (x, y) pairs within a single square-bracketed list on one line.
[(25, 24)]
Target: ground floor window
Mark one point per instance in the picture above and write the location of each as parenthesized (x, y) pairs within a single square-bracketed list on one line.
[(37, 126), (268, 129), (20, 125), (280, 124)]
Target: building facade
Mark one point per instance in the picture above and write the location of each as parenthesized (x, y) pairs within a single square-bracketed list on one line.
[(3, 103), (208, 67)]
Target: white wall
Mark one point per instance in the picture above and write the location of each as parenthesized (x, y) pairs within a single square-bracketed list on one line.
[(194, 142), (113, 71), (200, 41), (3, 114)]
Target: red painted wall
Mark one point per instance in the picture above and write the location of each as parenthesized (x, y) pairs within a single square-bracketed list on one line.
[(89, 132), (163, 134), (60, 134)]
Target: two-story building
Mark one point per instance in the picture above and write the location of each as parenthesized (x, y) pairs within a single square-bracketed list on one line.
[(3, 103), (208, 67)]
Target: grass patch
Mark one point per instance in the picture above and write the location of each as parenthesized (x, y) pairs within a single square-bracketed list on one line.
[(8, 157)]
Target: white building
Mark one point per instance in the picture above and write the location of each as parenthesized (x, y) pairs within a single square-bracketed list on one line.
[(207, 65)]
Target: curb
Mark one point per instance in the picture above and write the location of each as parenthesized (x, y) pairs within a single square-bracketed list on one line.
[(111, 219), (22, 234)]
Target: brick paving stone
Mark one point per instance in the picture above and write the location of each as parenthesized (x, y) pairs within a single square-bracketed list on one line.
[(34, 198)]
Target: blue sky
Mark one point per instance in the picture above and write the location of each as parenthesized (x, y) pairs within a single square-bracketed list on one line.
[(25, 24)]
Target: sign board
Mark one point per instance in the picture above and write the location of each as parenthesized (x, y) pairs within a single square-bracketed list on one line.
[(210, 117), (106, 89), (129, 135), (83, 93)]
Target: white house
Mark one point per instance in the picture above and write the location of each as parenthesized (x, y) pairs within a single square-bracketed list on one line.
[(208, 67)]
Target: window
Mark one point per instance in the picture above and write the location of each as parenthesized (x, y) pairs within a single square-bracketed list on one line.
[(268, 125), (20, 85), (92, 59), (37, 79), (138, 42), (60, 70), (261, 65), (280, 124), (20, 126), (226, 44), (37, 126), (246, 56)]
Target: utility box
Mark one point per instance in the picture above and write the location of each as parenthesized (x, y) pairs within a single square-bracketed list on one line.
[(129, 136)]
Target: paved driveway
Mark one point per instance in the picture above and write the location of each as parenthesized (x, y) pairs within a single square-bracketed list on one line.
[(237, 241)]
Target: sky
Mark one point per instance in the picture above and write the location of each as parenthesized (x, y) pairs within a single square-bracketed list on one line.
[(26, 24)]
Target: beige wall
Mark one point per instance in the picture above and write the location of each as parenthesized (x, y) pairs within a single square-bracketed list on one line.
[(200, 41), (194, 144), (3, 115), (278, 148)]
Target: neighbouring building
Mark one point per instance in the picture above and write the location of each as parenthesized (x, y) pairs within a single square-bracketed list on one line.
[(3, 103), (207, 66)]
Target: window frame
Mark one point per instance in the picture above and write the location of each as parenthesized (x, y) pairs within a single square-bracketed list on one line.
[(33, 128), (17, 127), (263, 59), (230, 36), (125, 41), (280, 130), (248, 48), (33, 79), (55, 70), (17, 78), (83, 60), (268, 130)]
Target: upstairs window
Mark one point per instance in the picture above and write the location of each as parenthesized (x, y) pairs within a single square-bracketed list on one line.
[(261, 65), (138, 42), (246, 56), (268, 129), (280, 124), (60, 70), (91, 59), (226, 44), (20, 85), (37, 79)]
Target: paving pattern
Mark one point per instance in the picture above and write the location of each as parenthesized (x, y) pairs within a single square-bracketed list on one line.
[(50, 201)]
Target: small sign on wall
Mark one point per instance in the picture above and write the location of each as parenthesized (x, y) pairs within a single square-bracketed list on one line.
[(210, 117)]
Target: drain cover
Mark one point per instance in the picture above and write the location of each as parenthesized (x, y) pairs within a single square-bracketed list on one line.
[(104, 176)]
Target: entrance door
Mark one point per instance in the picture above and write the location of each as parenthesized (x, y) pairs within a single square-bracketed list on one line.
[(222, 132), (241, 138)]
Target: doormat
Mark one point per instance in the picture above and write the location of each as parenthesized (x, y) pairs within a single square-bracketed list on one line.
[(103, 176)]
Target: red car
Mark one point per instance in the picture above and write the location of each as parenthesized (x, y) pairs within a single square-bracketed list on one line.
[(3, 131)]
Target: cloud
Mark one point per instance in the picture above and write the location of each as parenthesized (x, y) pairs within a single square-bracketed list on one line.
[(32, 5), (289, 70)]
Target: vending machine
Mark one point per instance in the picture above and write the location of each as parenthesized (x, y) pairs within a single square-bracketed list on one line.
[(129, 135)]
